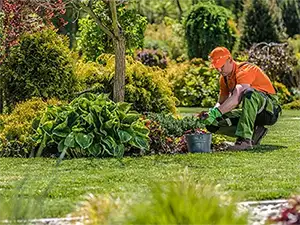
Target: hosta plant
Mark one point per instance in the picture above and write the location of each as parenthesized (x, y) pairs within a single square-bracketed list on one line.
[(91, 125)]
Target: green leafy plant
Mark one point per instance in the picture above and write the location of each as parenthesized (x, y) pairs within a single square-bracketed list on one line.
[(16, 130), (93, 41), (194, 83), (41, 65), (291, 16), (91, 125), (292, 105), (146, 87), (208, 26)]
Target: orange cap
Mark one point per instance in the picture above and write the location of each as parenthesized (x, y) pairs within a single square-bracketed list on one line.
[(219, 56)]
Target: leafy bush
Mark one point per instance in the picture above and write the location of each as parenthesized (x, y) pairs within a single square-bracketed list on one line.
[(181, 202), (16, 130), (39, 66), (93, 41), (254, 31), (152, 58), (277, 61), (167, 36), (292, 105), (194, 83), (282, 92), (208, 26), (146, 87), (91, 125), (291, 16)]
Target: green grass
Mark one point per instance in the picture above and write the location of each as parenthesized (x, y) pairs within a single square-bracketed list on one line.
[(269, 172)]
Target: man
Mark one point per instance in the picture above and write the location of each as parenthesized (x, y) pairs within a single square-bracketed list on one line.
[(242, 84)]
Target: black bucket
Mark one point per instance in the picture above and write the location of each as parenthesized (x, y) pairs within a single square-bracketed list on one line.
[(198, 142)]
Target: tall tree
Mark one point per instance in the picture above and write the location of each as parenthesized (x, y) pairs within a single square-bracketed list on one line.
[(291, 16)]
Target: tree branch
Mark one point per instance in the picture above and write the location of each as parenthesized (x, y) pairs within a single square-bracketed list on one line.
[(97, 20)]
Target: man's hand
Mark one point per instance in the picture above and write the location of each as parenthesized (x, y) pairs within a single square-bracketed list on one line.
[(213, 114)]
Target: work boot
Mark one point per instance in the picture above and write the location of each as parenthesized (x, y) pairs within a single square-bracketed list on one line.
[(241, 144), (258, 134)]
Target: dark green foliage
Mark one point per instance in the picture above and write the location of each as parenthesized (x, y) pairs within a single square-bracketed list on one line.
[(277, 61), (291, 16), (39, 66), (236, 6), (262, 23), (93, 41), (208, 26), (151, 57), (91, 125)]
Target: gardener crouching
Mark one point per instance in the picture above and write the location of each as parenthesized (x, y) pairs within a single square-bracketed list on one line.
[(246, 85)]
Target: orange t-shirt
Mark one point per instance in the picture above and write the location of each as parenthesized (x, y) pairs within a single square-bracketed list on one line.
[(246, 73)]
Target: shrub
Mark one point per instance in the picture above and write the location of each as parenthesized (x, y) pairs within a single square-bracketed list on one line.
[(208, 26), (254, 31), (282, 92), (16, 131), (277, 60), (194, 83), (291, 16), (91, 125), (292, 105), (93, 41), (152, 58), (40, 66), (167, 36), (146, 87)]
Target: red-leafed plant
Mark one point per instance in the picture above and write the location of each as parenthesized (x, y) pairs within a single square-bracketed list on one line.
[(289, 215), (21, 16)]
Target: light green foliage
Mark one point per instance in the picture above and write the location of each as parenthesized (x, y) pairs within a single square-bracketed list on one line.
[(16, 128), (194, 83), (167, 36), (93, 41), (146, 87), (254, 31), (186, 202), (208, 26), (91, 125), (41, 65), (293, 105), (282, 92)]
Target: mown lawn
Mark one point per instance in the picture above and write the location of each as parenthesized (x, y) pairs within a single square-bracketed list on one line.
[(269, 172)]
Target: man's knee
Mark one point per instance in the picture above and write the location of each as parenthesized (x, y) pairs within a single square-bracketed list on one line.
[(212, 129)]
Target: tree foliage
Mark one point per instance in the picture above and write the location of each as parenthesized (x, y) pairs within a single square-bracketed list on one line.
[(291, 16), (208, 26)]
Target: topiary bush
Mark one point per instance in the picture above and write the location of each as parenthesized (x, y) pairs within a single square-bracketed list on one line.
[(16, 130), (208, 26), (152, 58), (93, 41), (91, 125), (254, 31), (41, 65), (146, 88), (278, 61), (194, 83)]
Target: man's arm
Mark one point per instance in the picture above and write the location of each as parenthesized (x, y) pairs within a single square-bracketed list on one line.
[(221, 100), (233, 101)]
